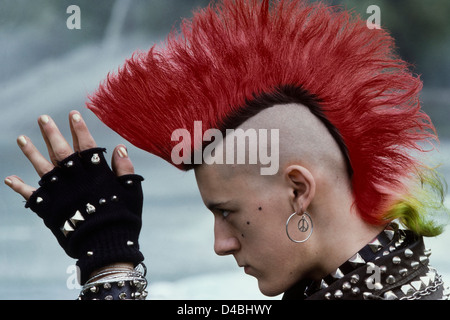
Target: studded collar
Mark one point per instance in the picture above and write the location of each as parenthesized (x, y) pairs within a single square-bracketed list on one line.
[(394, 265)]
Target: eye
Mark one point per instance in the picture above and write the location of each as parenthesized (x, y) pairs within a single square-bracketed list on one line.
[(224, 213)]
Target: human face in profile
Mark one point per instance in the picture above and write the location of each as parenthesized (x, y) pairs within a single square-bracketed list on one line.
[(250, 214)]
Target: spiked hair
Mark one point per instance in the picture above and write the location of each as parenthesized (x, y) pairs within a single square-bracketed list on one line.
[(231, 53)]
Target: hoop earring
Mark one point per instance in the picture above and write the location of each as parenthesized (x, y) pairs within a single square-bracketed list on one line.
[(303, 226)]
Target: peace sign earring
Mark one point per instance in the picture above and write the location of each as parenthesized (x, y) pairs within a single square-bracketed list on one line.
[(303, 226)]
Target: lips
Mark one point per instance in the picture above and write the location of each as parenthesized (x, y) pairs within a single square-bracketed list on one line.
[(247, 268)]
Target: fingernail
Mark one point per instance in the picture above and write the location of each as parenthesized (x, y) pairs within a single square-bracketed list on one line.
[(76, 117), (122, 152), (22, 141), (8, 182), (44, 119)]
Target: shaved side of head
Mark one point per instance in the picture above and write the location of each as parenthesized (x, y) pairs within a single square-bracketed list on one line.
[(303, 139)]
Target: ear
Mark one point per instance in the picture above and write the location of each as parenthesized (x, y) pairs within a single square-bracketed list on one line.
[(302, 185)]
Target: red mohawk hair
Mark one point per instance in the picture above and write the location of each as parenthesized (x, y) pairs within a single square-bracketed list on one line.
[(236, 50)]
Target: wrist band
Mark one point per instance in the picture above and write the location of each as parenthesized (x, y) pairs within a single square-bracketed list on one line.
[(116, 284)]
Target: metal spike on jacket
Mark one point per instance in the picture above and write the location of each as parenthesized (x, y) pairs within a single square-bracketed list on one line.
[(393, 266)]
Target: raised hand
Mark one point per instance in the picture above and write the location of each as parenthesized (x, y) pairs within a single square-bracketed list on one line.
[(94, 212)]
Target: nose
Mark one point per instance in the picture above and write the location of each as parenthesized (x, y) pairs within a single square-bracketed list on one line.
[(225, 242)]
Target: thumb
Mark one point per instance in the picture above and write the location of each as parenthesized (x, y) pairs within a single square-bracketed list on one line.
[(121, 163)]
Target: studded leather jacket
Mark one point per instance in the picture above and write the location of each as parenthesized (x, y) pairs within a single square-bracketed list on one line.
[(393, 266)]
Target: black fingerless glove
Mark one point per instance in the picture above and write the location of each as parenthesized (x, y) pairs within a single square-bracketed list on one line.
[(94, 215)]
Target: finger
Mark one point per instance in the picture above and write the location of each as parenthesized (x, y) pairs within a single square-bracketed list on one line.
[(82, 138), (121, 163), (58, 148), (75, 143), (19, 186), (40, 164)]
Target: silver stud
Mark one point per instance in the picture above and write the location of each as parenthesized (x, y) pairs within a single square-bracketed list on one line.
[(389, 234), (355, 291), (93, 289), (408, 253), (418, 285), (390, 279), (396, 260), (356, 259), (403, 271), (338, 294), (39, 200), (54, 179), (90, 253), (129, 182), (415, 264), (367, 295), (354, 278), (114, 198), (107, 285), (130, 243), (109, 297), (135, 283), (426, 280), (346, 286), (427, 252), (76, 218), (90, 208), (337, 274), (137, 295), (383, 269), (120, 284), (391, 248), (101, 201), (122, 296), (375, 245), (389, 295), (432, 275), (69, 164), (407, 289), (67, 228), (423, 259), (327, 296), (95, 158)]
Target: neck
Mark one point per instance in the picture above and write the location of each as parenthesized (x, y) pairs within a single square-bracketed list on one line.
[(341, 232)]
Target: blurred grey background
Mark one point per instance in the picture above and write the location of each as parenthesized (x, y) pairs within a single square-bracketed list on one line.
[(46, 68)]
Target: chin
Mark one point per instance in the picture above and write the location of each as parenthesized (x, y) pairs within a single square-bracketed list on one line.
[(271, 289)]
